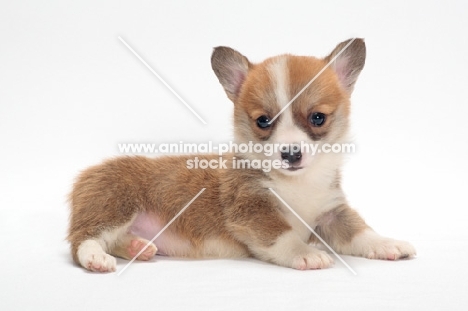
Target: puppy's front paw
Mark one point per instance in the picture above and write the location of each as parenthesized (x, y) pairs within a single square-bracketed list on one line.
[(373, 246), (290, 251), (313, 259), (389, 249)]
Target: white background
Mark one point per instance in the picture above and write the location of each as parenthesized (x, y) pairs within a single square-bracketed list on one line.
[(70, 91)]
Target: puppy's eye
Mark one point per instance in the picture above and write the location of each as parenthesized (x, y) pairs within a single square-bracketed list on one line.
[(317, 119), (263, 122)]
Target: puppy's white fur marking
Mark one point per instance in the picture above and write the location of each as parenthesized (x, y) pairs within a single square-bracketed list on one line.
[(278, 70), (280, 79), (287, 131)]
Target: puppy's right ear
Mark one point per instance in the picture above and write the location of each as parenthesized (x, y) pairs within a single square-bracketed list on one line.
[(348, 62), (231, 68)]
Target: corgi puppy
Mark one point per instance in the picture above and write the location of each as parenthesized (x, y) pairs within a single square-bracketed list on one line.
[(119, 206)]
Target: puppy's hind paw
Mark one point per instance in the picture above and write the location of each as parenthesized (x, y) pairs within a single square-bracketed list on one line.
[(101, 263), (137, 245), (92, 257)]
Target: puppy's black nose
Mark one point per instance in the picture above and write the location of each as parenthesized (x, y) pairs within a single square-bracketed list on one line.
[(292, 157)]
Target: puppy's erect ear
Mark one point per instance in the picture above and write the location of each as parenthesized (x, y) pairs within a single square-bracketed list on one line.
[(349, 62), (231, 68)]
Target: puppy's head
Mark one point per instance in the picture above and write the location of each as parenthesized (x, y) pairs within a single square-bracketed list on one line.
[(287, 102)]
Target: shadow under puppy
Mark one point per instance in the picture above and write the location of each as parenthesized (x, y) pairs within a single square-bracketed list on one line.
[(118, 206)]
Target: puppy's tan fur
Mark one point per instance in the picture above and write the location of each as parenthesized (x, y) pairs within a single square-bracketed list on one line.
[(117, 206)]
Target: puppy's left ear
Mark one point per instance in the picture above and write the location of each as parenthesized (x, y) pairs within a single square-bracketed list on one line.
[(231, 68), (349, 63)]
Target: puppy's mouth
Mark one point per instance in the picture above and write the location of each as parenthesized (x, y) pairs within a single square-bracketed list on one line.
[(294, 168)]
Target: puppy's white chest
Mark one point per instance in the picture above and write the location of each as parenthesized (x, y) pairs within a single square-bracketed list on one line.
[(304, 202), (308, 199)]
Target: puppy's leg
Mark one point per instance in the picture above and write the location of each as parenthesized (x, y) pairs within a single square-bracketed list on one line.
[(92, 253), (348, 234), (104, 202), (290, 251), (255, 220)]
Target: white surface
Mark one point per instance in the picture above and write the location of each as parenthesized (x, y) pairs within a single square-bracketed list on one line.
[(70, 92)]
